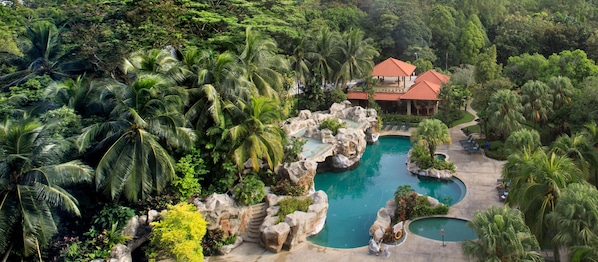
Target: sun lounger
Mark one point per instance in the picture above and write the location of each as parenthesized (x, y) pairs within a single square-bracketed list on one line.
[(399, 125), (473, 149), (468, 140), (407, 125)]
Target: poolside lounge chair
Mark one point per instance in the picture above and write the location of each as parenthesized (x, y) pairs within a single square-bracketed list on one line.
[(473, 149), (407, 125), (468, 140), (384, 126), (399, 125)]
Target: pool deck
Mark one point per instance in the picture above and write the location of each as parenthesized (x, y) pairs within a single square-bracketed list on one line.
[(479, 174)]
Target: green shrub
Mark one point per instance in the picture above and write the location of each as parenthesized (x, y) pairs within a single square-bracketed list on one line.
[(293, 150), (112, 214), (214, 240), (292, 204), (284, 188), (250, 191), (180, 233), (189, 170), (332, 124)]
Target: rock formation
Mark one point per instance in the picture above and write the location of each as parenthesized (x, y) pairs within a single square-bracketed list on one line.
[(300, 173), (435, 173), (221, 212), (296, 227)]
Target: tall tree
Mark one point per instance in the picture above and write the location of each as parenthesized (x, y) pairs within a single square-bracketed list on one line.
[(31, 180), (145, 122), (562, 91), (502, 236), (256, 134), (536, 181), (356, 57), (523, 139), (432, 133), (575, 216), (505, 112), (43, 57), (537, 101), (471, 41), (262, 65)]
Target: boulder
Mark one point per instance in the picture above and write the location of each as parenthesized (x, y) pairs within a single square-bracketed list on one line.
[(221, 209), (380, 225), (131, 228), (304, 114), (152, 215), (299, 173), (228, 248), (120, 253), (300, 224), (350, 146), (273, 237)]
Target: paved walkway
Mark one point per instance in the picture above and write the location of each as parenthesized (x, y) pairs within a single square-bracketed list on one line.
[(475, 170)]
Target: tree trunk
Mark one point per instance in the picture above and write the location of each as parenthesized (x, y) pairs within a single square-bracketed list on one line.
[(5, 257)]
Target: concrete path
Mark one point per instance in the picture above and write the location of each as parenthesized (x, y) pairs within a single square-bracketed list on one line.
[(475, 170)]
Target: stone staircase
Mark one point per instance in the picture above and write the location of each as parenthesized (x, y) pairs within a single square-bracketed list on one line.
[(257, 215)]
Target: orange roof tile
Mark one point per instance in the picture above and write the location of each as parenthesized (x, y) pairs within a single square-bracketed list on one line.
[(423, 90), (434, 77), (393, 67), (361, 95)]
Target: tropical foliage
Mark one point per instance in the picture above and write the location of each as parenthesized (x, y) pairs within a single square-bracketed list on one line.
[(503, 236)]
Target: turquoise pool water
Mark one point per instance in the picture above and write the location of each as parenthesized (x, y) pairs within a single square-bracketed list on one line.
[(455, 230), (356, 195)]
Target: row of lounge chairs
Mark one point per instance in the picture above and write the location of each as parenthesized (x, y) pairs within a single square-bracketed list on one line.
[(503, 189), (470, 144), (400, 125)]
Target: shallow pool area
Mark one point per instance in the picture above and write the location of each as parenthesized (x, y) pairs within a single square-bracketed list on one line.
[(356, 195), (454, 229)]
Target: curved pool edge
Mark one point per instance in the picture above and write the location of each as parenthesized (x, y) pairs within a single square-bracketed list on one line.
[(408, 227)]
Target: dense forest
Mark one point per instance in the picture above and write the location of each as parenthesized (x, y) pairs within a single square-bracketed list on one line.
[(110, 108)]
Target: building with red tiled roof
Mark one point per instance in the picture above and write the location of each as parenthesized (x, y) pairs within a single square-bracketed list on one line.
[(420, 98), (434, 77)]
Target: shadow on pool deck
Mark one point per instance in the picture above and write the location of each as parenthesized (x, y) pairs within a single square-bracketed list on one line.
[(477, 172)]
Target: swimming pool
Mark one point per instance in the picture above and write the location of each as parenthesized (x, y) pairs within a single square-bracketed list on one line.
[(454, 229), (355, 196)]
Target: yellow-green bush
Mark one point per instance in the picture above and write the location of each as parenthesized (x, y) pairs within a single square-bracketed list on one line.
[(180, 232)]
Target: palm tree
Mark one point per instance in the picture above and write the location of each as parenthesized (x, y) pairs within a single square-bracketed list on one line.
[(261, 64), (300, 61), (505, 112), (523, 139), (80, 94), (30, 185), (43, 56), (561, 90), (575, 217), (219, 79), (536, 180), (502, 236), (155, 61), (577, 147), (537, 100), (146, 121), (356, 57), (591, 132), (256, 133), (432, 133), (326, 45)]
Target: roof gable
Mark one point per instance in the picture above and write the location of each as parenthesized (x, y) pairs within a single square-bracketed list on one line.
[(393, 67), (423, 90), (434, 77)]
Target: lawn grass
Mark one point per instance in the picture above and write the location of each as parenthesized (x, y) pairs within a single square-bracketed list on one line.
[(472, 129), (467, 117)]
